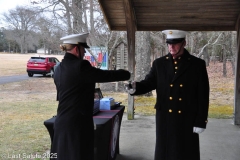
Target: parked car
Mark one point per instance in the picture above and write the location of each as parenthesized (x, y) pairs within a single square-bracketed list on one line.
[(41, 65)]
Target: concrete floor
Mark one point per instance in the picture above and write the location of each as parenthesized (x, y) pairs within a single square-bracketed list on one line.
[(220, 141)]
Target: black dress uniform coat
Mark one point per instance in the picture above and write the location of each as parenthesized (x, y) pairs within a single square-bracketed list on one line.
[(73, 129), (182, 89)]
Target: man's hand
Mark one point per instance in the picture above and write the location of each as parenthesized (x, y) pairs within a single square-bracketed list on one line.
[(198, 130), (130, 87)]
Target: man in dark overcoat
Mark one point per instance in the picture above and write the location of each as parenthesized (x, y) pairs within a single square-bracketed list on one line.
[(75, 80), (182, 88)]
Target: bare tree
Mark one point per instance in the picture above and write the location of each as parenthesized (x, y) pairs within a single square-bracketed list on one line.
[(72, 14), (202, 52), (21, 21), (222, 44), (158, 45), (77, 16), (80, 16), (193, 39), (143, 56), (233, 50), (227, 52), (49, 34)]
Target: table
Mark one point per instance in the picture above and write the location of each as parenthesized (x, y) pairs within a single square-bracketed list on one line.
[(106, 135)]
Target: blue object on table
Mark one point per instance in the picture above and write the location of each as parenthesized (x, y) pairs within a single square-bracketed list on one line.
[(107, 103)]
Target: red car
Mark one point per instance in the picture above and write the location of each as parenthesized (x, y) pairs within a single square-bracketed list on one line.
[(41, 65)]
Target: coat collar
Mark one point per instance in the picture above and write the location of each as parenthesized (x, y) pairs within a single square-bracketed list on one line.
[(184, 65), (70, 56)]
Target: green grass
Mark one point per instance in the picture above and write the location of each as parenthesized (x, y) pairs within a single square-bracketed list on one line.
[(220, 111), (223, 90), (26, 105), (145, 106), (22, 130)]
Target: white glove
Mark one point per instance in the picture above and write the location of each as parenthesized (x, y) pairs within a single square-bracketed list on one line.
[(130, 87), (198, 130), (95, 126)]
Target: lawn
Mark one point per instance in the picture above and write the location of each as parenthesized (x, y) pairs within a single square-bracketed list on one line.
[(25, 105)]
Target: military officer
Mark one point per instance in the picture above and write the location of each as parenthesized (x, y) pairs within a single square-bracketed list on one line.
[(182, 88), (75, 80)]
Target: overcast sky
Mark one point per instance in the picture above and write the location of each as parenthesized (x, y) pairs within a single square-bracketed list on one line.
[(5, 5)]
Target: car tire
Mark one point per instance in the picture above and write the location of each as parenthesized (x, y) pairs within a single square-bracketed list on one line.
[(44, 74), (30, 74), (52, 72)]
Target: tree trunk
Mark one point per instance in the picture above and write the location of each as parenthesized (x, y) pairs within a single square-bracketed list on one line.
[(91, 16), (143, 56), (194, 43), (224, 61), (206, 55)]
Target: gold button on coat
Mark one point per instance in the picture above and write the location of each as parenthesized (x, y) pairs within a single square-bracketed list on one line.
[(175, 62), (181, 85), (176, 67), (171, 85), (170, 98), (170, 110), (180, 99), (179, 111)]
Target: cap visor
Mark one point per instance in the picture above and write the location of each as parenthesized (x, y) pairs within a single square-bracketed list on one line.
[(174, 41), (84, 45)]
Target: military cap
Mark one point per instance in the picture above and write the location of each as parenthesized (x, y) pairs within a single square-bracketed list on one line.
[(174, 36), (76, 39)]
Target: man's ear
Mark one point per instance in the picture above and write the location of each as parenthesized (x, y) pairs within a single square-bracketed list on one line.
[(75, 52), (75, 49)]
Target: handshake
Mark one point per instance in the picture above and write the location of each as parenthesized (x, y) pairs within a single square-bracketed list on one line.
[(130, 87)]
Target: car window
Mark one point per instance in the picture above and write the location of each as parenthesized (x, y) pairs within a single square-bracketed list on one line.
[(37, 59), (56, 60)]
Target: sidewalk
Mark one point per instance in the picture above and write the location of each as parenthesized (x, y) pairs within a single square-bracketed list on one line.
[(220, 141)]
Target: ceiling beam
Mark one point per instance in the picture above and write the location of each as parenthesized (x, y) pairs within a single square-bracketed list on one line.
[(130, 16), (188, 28), (237, 23), (101, 3)]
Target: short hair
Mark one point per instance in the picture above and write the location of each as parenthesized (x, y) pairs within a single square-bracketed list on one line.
[(67, 47)]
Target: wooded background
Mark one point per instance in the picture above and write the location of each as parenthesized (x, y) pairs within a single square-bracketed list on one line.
[(42, 23)]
